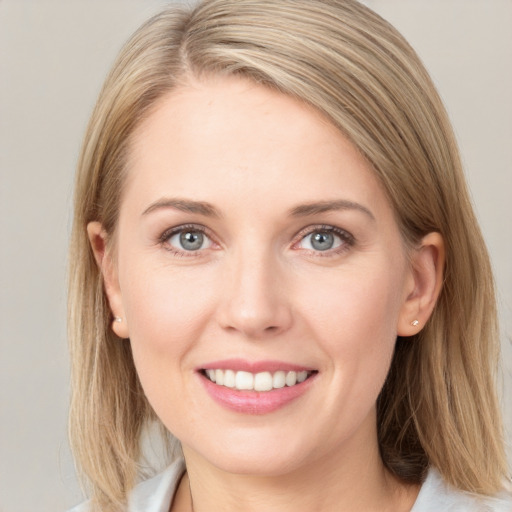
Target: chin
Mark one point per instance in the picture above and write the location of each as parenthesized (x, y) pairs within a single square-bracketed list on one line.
[(256, 457)]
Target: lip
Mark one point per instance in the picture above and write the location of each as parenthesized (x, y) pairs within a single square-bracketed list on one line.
[(241, 365), (254, 402)]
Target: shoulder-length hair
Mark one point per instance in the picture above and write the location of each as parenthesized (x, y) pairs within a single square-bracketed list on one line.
[(438, 406)]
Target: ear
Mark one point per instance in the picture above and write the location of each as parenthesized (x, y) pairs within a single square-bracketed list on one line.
[(423, 286), (98, 240)]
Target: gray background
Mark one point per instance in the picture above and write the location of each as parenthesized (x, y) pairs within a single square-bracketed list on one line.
[(53, 58)]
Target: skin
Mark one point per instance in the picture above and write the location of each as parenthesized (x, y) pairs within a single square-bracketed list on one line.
[(258, 290)]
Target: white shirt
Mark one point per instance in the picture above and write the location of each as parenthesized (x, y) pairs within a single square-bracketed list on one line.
[(156, 494)]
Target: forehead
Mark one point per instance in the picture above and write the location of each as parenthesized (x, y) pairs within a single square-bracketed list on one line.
[(217, 109), (230, 135)]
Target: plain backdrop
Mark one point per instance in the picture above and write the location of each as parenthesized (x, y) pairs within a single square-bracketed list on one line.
[(53, 58)]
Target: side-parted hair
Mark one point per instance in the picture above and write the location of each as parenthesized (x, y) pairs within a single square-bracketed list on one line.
[(438, 406)]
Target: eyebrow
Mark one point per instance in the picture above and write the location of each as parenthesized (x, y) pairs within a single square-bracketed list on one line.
[(184, 205), (305, 210)]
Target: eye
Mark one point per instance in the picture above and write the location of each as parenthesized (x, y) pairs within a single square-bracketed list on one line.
[(320, 241), (186, 239), (324, 239)]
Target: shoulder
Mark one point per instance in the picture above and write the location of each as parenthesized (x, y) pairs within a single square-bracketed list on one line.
[(153, 495), (438, 496)]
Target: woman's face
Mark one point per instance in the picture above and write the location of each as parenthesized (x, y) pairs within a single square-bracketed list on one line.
[(256, 246)]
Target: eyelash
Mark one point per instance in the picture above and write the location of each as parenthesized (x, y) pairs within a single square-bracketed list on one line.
[(347, 240), (166, 235)]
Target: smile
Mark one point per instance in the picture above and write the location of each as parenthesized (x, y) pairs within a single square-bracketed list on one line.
[(256, 387), (261, 381)]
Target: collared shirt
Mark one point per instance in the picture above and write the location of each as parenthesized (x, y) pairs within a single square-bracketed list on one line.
[(156, 495)]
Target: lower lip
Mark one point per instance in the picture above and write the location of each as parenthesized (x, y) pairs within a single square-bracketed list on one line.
[(255, 402)]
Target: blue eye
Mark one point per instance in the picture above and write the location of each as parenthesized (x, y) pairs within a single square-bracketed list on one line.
[(322, 241), (188, 240), (325, 239)]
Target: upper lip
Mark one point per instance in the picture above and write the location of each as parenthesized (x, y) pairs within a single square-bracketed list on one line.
[(254, 366)]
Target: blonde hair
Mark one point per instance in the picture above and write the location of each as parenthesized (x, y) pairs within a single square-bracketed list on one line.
[(438, 406)]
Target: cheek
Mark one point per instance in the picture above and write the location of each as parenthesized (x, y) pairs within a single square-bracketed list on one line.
[(166, 314), (357, 300), (354, 317), (164, 307)]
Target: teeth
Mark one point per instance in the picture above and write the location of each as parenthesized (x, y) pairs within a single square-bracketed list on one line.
[(263, 381), (243, 380), (229, 378), (291, 378), (279, 380)]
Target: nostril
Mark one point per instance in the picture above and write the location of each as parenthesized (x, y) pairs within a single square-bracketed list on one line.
[(254, 315)]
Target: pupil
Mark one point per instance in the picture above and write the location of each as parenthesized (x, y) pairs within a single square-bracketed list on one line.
[(191, 240), (322, 241)]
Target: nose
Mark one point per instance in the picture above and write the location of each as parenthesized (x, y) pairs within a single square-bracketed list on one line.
[(255, 301)]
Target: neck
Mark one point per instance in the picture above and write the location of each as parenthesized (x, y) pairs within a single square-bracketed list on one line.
[(351, 482)]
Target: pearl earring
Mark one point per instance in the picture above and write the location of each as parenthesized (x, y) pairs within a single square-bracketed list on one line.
[(415, 323), (118, 319)]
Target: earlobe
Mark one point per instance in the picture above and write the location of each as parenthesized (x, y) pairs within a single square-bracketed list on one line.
[(98, 240), (425, 284)]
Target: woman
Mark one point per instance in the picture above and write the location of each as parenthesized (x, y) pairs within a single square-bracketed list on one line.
[(275, 258)]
